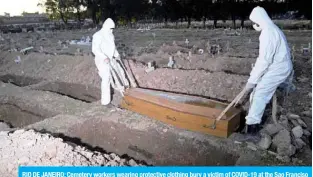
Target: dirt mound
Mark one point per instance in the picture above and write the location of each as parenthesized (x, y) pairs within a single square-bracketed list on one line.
[(31, 148), (217, 85)]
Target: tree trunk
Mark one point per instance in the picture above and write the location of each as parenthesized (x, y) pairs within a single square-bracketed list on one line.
[(215, 23), (129, 21), (234, 23), (78, 17), (165, 20), (242, 24), (204, 19), (94, 15), (189, 22), (63, 18)]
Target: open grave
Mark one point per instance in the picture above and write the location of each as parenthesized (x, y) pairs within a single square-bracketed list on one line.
[(76, 91), (20, 81), (17, 117), (59, 94)]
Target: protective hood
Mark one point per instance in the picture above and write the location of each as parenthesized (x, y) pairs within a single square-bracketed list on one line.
[(105, 39), (108, 25), (260, 17)]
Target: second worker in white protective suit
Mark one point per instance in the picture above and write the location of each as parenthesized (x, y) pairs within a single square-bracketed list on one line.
[(104, 49), (273, 67)]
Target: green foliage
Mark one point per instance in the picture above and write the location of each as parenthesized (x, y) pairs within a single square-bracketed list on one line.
[(62, 9), (121, 21), (131, 11)]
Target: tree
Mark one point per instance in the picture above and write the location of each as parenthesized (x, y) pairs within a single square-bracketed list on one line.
[(163, 9), (129, 10), (92, 10), (65, 9), (77, 4), (217, 11), (58, 9), (188, 7), (244, 9), (202, 10), (133, 10), (51, 9), (304, 7)]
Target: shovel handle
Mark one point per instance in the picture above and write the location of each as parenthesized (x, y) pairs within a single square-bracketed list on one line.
[(128, 75), (238, 97)]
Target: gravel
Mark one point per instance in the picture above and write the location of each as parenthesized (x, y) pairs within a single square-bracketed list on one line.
[(285, 159), (272, 129), (302, 123), (265, 142), (306, 132), (286, 150), (36, 149), (4, 126), (283, 137), (294, 122), (307, 113), (282, 141), (293, 116), (297, 132), (299, 143)]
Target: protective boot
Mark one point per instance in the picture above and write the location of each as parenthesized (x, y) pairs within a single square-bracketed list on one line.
[(109, 106), (250, 134), (252, 129)]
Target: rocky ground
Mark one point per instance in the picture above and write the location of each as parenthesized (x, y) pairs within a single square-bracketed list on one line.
[(61, 81), (30, 148)]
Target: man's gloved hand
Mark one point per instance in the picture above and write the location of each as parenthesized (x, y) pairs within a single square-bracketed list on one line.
[(118, 57), (249, 87)]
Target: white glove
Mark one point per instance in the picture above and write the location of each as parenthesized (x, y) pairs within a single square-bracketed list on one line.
[(244, 93), (118, 57), (249, 87)]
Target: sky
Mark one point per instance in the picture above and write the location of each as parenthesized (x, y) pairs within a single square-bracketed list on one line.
[(16, 7)]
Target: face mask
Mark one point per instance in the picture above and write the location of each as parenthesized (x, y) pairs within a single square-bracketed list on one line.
[(257, 27)]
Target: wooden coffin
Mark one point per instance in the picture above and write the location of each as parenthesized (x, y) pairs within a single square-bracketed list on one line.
[(183, 111)]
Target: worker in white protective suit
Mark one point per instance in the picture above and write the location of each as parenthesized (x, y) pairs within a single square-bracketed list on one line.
[(104, 49), (272, 69)]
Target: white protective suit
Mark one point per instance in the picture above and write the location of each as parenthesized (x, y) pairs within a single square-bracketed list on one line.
[(272, 67), (103, 47)]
